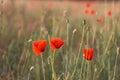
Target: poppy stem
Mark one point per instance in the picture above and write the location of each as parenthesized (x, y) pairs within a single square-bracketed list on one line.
[(77, 59), (52, 66), (88, 70), (31, 68), (52, 61), (81, 68), (37, 69), (43, 69), (68, 24), (115, 64), (88, 39)]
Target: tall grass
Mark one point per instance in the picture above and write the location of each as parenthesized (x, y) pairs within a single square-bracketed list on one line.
[(18, 62)]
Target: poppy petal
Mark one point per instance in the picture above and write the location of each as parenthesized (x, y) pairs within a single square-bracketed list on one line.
[(38, 46), (56, 43), (88, 53)]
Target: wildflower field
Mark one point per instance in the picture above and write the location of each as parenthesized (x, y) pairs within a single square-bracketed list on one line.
[(59, 40)]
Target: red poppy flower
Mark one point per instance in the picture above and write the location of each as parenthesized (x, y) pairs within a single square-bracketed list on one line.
[(88, 53), (86, 11), (99, 20), (88, 5), (92, 12), (32, 4), (1, 5), (50, 5), (38, 46), (56, 43), (109, 13)]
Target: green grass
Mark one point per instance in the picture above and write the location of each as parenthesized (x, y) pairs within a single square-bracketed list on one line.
[(65, 63)]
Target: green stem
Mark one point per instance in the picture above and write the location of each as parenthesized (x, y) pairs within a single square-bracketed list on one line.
[(43, 69), (115, 64), (52, 66), (67, 20), (78, 52)]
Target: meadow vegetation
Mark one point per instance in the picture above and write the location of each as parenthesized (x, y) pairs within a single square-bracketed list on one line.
[(20, 26)]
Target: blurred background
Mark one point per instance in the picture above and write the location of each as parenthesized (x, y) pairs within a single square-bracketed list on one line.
[(23, 21)]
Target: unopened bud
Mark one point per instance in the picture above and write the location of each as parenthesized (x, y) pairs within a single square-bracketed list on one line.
[(31, 68), (74, 31)]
